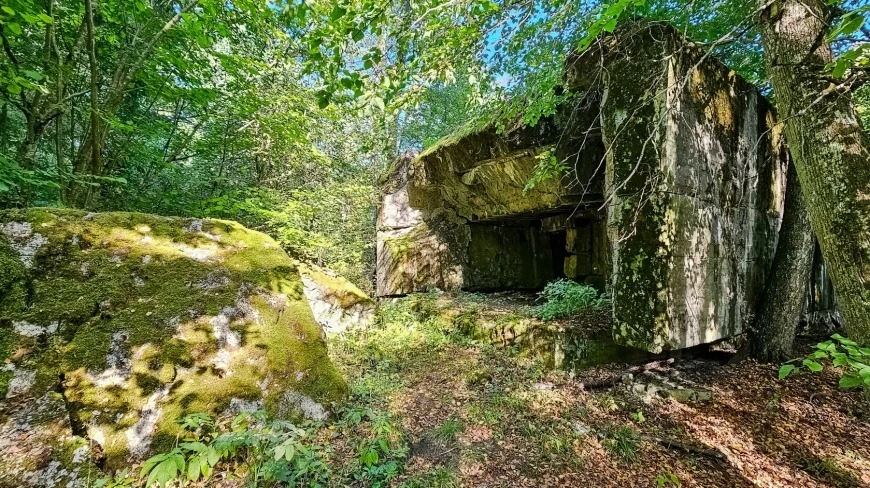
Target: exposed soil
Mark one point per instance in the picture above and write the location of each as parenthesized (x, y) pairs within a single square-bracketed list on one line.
[(523, 425), (757, 431)]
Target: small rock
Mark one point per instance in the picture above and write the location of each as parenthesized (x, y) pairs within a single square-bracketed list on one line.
[(581, 429), (688, 395)]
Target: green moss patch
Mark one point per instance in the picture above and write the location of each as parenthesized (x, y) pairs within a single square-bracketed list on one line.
[(140, 319)]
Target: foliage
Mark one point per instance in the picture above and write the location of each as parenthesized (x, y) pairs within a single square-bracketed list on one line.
[(447, 431), (548, 168), (622, 442), (854, 56), (849, 357), (261, 451), (274, 452), (668, 478), (437, 478), (381, 453), (565, 298)]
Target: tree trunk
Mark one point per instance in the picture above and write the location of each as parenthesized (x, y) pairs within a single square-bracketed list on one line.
[(88, 160), (26, 152), (90, 152), (783, 300), (828, 147)]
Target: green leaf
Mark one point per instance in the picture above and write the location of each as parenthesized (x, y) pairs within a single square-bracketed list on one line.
[(786, 370), (15, 28), (323, 99), (337, 12), (850, 24), (194, 446), (45, 18), (213, 456), (8, 10), (812, 365), (850, 381), (193, 469)]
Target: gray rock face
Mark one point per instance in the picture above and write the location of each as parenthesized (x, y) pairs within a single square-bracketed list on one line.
[(673, 202), (337, 304)]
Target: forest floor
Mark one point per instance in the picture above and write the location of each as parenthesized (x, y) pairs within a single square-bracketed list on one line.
[(476, 415)]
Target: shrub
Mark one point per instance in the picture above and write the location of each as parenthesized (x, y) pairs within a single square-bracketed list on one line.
[(848, 356), (565, 298), (264, 452)]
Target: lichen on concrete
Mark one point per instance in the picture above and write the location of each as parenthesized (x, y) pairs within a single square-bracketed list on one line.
[(172, 316)]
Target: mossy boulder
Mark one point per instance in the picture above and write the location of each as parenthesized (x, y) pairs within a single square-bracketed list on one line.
[(134, 320), (338, 304)]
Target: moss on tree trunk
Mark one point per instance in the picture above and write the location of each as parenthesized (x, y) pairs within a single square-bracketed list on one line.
[(828, 146)]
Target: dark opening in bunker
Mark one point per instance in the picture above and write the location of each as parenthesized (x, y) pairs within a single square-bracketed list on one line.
[(527, 252), (558, 241)]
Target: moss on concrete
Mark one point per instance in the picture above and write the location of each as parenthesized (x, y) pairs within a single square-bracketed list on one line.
[(141, 313)]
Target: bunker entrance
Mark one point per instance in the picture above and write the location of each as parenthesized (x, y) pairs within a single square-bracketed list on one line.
[(526, 252)]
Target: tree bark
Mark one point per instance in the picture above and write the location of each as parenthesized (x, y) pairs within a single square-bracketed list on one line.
[(828, 147), (783, 300), (91, 149)]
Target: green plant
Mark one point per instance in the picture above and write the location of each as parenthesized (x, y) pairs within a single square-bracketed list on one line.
[(447, 431), (548, 168), (848, 356), (122, 479), (826, 469), (249, 445), (380, 453), (437, 478), (623, 442), (638, 416), (667, 478), (565, 298)]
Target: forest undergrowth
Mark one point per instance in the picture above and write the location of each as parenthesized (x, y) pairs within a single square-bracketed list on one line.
[(431, 407)]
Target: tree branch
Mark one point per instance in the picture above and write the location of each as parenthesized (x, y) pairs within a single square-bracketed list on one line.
[(7, 47)]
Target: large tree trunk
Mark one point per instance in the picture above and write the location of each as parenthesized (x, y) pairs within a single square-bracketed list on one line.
[(828, 147), (783, 300), (26, 152)]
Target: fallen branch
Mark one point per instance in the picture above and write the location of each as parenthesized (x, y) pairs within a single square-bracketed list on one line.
[(682, 446)]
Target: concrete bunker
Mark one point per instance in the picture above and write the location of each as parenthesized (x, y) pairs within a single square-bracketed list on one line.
[(672, 200)]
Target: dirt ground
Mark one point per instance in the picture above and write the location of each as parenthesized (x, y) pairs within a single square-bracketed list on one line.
[(480, 416), (518, 430)]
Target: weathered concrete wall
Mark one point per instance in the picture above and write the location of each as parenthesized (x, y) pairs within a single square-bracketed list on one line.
[(416, 254), (508, 256), (483, 174), (695, 180), (587, 248)]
